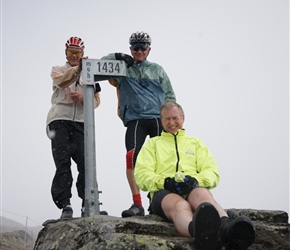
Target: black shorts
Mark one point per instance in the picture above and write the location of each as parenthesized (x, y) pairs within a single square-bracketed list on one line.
[(155, 206), (136, 133)]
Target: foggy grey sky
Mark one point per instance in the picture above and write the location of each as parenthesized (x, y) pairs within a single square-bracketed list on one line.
[(228, 62)]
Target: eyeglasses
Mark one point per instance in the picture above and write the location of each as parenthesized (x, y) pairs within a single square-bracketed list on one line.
[(71, 52), (141, 46)]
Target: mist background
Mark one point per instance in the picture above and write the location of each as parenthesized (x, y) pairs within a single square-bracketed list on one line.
[(228, 62)]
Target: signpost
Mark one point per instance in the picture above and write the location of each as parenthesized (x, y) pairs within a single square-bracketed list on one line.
[(94, 70)]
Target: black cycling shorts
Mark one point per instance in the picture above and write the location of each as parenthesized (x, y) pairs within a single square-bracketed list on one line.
[(155, 206)]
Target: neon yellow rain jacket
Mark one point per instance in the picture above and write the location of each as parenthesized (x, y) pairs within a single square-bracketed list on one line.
[(163, 156)]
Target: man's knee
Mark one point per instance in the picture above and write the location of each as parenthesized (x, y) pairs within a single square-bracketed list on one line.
[(199, 195), (181, 205)]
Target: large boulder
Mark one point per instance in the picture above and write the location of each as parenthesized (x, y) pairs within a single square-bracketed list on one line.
[(150, 232)]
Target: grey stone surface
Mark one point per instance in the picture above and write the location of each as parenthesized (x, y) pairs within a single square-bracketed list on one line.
[(150, 232)]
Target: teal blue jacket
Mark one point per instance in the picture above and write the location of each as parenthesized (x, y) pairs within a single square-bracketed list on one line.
[(163, 156), (143, 90)]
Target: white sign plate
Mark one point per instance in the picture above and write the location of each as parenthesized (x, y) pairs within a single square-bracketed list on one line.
[(97, 70)]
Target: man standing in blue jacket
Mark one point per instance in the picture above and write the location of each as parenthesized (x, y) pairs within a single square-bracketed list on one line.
[(140, 95)]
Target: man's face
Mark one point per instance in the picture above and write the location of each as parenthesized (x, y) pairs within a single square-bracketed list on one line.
[(73, 55), (172, 120), (140, 51)]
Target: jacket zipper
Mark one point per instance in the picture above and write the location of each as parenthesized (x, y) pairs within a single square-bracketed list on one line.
[(75, 104), (177, 154)]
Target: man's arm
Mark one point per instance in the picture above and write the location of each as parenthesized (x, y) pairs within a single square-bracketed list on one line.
[(64, 79), (115, 84), (208, 174), (144, 172), (166, 86)]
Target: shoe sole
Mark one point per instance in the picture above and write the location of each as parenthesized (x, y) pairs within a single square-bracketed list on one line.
[(207, 225), (241, 235), (125, 215)]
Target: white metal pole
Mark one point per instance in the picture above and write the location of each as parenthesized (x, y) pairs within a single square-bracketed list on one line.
[(91, 190), (94, 70)]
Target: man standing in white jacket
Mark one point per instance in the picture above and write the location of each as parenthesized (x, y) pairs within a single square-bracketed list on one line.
[(65, 126)]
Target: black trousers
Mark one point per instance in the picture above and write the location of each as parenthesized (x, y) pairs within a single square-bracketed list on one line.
[(67, 143)]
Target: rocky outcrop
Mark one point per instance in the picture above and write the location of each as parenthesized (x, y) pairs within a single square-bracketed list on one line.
[(150, 232)]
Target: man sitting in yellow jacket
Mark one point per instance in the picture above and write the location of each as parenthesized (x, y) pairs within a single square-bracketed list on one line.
[(178, 171)]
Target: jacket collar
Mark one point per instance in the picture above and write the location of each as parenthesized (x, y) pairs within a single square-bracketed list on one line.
[(180, 132), (144, 63)]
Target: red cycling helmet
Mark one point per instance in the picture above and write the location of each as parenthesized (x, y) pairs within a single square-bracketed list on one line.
[(75, 42)]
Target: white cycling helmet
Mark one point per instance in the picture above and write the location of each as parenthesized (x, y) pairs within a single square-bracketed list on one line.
[(140, 37)]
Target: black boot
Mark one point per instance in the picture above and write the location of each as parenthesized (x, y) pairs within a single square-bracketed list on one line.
[(205, 226), (236, 232)]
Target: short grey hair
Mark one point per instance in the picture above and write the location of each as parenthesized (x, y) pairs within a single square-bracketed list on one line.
[(169, 105)]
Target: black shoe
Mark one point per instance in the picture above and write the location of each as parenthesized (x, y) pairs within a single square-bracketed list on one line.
[(206, 225), (237, 233), (67, 213), (134, 210), (103, 213)]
